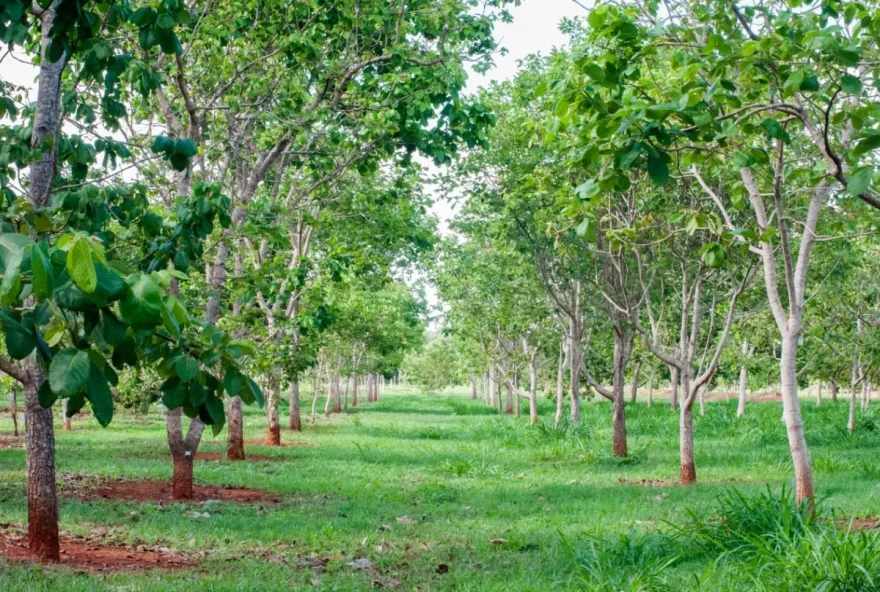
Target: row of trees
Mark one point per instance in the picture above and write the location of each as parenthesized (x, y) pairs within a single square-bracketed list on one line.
[(201, 190), (684, 192)]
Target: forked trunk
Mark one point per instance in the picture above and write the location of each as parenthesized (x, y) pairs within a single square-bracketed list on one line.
[(235, 430), (295, 419), (42, 494), (797, 443)]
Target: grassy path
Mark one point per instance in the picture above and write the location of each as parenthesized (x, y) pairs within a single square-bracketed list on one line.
[(426, 493)]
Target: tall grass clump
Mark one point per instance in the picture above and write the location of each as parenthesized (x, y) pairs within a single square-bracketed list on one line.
[(636, 562)]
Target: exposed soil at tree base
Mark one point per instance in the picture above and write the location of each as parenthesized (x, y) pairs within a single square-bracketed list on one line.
[(263, 442), (88, 489), (87, 555)]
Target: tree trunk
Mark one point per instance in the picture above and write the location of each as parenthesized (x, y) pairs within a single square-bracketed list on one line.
[(337, 390), (235, 430), (701, 395), (533, 393), (329, 400), (560, 382), (42, 494), (743, 391), (651, 386), (797, 443), (688, 473), (65, 420), (516, 402), (574, 346), (273, 437), (634, 389), (673, 389), (618, 403), (819, 395), (13, 410), (851, 420), (834, 390), (316, 389), (354, 390), (508, 409), (492, 385), (866, 390), (473, 386), (183, 452), (295, 419), (486, 387)]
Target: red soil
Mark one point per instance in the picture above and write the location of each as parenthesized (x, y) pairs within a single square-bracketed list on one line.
[(86, 555), (218, 456), (282, 445), (160, 491)]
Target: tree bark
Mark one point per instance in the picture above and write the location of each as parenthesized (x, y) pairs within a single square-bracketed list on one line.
[(688, 473), (651, 387), (13, 410), (673, 389), (743, 383), (183, 452), (533, 393), (354, 390), (473, 386), (560, 382), (508, 409), (235, 430), (295, 419), (273, 436), (622, 347), (819, 395), (834, 390), (634, 389), (42, 497), (516, 402), (337, 405), (65, 420), (800, 454), (574, 345)]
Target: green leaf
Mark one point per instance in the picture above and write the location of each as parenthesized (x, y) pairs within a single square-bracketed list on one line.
[(45, 395), (20, 340), (869, 144), (81, 267), (41, 266), (658, 170), (141, 304), (74, 404), (233, 382), (186, 367), (69, 371), (254, 390), (714, 255), (597, 17), (860, 180), (850, 84), (99, 395)]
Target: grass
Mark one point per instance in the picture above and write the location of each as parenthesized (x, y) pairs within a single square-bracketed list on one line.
[(439, 493)]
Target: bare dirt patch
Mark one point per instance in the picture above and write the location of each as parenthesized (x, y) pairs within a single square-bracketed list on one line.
[(219, 456), (648, 482), (259, 442), (11, 442), (86, 488), (84, 554), (854, 524)]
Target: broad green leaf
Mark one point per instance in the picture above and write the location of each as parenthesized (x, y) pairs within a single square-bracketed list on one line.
[(255, 391), (658, 170), (100, 396), (860, 180), (850, 84), (69, 371), (45, 395), (141, 304), (186, 367), (20, 340), (233, 381), (81, 267), (41, 266)]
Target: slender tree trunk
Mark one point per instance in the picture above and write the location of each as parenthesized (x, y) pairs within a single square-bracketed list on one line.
[(701, 395), (43, 541), (273, 437), (42, 494), (486, 387), (295, 419), (183, 452), (533, 393), (634, 389), (866, 390), (337, 406), (65, 419), (13, 410), (560, 382), (508, 409), (235, 430), (834, 391), (851, 419), (673, 389), (473, 386), (574, 346), (819, 395), (797, 443), (743, 384), (354, 390), (516, 402), (492, 385), (316, 390), (618, 403), (688, 472), (651, 386)]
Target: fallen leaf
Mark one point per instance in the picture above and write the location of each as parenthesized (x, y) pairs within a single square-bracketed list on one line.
[(497, 541)]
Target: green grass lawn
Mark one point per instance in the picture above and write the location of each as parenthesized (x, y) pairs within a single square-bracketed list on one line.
[(424, 486)]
